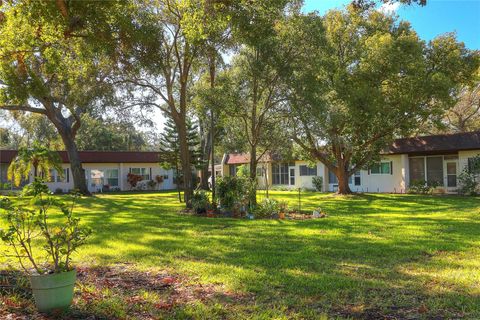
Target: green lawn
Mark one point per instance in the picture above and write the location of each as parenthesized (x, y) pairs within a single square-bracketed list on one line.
[(401, 255)]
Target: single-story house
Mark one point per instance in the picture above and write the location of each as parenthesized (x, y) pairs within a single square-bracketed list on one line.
[(436, 158), (102, 168)]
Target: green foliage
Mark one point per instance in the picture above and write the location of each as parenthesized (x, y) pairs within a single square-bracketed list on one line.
[(37, 158), (29, 221), (352, 63), (169, 145), (422, 187), (231, 192), (268, 208), (318, 183), (243, 172), (200, 201), (469, 178)]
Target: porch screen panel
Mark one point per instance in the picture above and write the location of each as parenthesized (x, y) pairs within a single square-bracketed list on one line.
[(280, 173), (417, 169), (435, 170)]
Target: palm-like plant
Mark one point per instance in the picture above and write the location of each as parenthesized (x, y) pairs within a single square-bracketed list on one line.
[(38, 158)]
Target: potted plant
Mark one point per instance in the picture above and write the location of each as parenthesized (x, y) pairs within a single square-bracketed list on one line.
[(283, 207), (52, 281)]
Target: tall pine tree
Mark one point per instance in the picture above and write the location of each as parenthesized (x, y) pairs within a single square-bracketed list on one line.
[(170, 151)]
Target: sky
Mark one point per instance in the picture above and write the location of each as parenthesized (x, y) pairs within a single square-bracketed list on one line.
[(437, 17)]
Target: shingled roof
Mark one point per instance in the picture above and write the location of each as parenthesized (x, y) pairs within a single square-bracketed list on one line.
[(6, 156), (243, 158), (443, 143)]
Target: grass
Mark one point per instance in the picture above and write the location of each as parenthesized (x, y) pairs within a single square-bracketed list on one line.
[(375, 255)]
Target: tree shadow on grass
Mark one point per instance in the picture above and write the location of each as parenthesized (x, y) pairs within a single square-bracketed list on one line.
[(362, 261)]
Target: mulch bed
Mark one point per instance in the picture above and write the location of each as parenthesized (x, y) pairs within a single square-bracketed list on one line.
[(289, 216), (141, 295)]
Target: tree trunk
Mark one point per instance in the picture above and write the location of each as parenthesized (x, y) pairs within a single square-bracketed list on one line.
[(185, 161), (78, 173), (342, 176), (253, 176)]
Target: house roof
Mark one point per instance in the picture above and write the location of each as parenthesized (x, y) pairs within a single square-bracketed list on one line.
[(243, 158), (443, 143), (434, 144), (6, 156)]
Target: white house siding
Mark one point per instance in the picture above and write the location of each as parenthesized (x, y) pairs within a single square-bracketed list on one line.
[(123, 170), (393, 182), (156, 170), (306, 181), (463, 158)]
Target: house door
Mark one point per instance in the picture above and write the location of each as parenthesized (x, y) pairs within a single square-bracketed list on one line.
[(292, 176), (451, 177)]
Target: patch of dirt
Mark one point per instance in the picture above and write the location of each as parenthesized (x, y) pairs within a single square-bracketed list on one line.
[(139, 295)]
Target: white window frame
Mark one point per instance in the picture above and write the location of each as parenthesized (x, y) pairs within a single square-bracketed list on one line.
[(380, 166), (146, 175)]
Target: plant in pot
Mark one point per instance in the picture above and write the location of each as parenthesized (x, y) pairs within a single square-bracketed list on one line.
[(283, 208), (53, 278)]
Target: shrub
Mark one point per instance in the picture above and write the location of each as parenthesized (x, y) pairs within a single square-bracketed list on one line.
[(468, 183), (26, 223), (152, 184), (231, 192), (159, 179), (422, 187), (318, 183), (133, 179), (267, 208), (58, 191), (200, 201)]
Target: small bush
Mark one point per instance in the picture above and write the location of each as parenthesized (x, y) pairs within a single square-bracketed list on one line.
[(152, 184), (133, 179), (268, 208), (232, 192), (468, 183), (58, 191), (422, 187), (318, 183), (200, 201)]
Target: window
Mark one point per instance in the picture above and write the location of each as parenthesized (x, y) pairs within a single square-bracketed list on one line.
[(260, 171), (96, 177), (417, 169), (111, 177), (66, 175), (232, 170), (332, 178), (280, 173), (141, 172), (307, 171), (165, 177), (435, 170), (357, 179), (474, 165), (52, 173), (381, 168)]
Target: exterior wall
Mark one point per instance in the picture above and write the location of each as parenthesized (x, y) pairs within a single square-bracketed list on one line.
[(306, 181), (463, 158), (123, 170), (393, 182)]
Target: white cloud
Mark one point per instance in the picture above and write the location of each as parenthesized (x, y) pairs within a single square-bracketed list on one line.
[(389, 8)]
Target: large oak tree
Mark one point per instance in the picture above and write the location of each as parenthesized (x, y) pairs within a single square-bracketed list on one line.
[(361, 79), (54, 59)]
